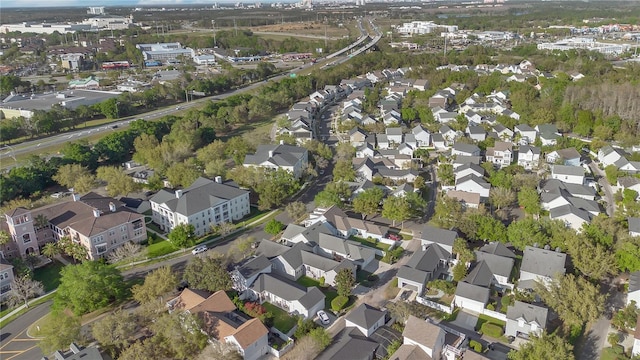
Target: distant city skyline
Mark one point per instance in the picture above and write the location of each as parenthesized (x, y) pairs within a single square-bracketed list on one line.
[(132, 3)]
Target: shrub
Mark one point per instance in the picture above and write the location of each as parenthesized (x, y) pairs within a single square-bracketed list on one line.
[(443, 285), (506, 301), (321, 281), (476, 346), (254, 309), (491, 307), (339, 302), (493, 330)]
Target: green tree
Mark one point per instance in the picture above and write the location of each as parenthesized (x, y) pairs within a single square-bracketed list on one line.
[(368, 202), (529, 199), (114, 331), (273, 227), (628, 254), (490, 228), (345, 151), (502, 197), (321, 336), (5, 237), (345, 281), (276, 187), (591, 259), (69, 176), (118, 183), (545, 346), (445, 174), (183, 235), (396, 209), (88, 286), (344, 171), (575, 299), (79, 152), (207, 273), (626, 318), (140, 350), (448, 211), (58, 331), (326, 198), (183, 174), (612, 173), (156, 284), (462, 251), (50, 250)]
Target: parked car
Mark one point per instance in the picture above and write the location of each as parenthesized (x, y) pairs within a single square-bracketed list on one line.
[(395, 237), (199, 249), (324, 318)]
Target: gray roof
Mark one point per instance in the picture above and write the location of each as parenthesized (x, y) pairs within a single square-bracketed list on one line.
[(365, 316), (634, 281), (547, 129), (568, 170), (476, 130), (528, 312), (415, 275), (439, 236), (393, 131), (469, 165), (254, 266), (437, 138), (526, 148), (271, 249), (543, 262), (586, 205), (288, 290), (283, 155), (472, 177), (423, 263), (523, 127), (473, 292), (634, 224), (628, 181), (499, 249), (556, 186), (310, 233), (201, 195), (293, 256), (466, 159), (569, 209), (350, 345), (318, 262), (466, 148), (498, 265), (480, 275), (569, 153)]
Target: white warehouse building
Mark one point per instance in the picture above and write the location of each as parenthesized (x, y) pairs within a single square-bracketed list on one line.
[(424, 27)]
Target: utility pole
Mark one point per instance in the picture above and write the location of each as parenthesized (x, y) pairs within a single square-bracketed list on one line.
[(235, 26), (213, 26)]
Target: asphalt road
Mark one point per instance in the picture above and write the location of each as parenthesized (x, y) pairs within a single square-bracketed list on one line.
[(15, 344)]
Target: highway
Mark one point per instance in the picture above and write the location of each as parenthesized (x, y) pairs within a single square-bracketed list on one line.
[(40, 146)]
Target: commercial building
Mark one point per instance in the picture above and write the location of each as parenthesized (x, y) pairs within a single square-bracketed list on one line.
[(586, 44), (424, 27), (43, 28), (16, 105), (164, 51)]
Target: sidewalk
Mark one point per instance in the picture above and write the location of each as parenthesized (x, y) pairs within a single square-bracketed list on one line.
[(14, 311)]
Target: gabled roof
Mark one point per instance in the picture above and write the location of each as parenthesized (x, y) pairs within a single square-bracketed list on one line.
[(365, 316), (351, 344), (287, 290), (543, 262), (526, 148), (568, 170), (439, 236), (569, 209), (473, 292), (249, 332), (474, 178), (201, 195), (476, 168), (497, 248), (528, 312), (293, 256), (569, 153), (466, 148), (254, 266), (464, 196), (410, 352), (497, 264), (271, 249), (282, 155), (423, 263), (480, 275), (422, 332)]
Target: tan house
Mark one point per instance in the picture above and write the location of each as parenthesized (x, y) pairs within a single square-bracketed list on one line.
[(100, 224), (222, 322), (6, 278)]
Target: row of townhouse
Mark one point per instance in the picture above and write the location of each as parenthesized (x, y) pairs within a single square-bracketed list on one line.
[(608, 155), (491, 271)]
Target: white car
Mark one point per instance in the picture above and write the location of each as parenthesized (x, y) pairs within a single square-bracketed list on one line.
[(199, 249), (324, 318)]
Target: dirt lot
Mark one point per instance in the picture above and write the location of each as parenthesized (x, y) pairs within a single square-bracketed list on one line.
[(307, 28)]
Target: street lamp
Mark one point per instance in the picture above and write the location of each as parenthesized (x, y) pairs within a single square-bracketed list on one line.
[(213, 26)]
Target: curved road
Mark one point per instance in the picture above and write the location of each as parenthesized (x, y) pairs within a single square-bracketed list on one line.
[(8, 152)]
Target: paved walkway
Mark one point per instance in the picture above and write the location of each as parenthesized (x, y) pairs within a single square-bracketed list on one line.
[(466, 320)]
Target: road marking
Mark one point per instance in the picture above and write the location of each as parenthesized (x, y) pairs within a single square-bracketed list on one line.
[(24, 351), (33, 339)]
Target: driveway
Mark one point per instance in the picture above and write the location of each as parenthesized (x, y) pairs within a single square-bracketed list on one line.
[(604, 184), (466, 320)]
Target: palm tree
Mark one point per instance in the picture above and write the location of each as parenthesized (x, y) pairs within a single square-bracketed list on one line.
[(41, 221), (50, 250)]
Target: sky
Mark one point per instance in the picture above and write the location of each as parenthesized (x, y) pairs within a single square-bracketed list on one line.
[(86, 3)]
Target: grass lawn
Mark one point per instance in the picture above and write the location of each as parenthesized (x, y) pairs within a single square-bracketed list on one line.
[(49, 275), (488, 319), (308, 282), (373, 244), (281, 319), (609, 354), (329, 296), (160, 248), (154, 227)]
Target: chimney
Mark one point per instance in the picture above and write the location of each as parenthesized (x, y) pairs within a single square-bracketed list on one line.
[(281, 142), (178, 194), (270, 153), (76, 197), (218, 179), (112, 207), (96, 213)]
